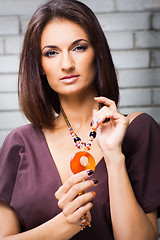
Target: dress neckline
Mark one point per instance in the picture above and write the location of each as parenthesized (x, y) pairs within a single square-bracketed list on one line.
[(45, 144), (52, 159)]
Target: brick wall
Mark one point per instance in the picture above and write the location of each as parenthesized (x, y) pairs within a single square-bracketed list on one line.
[(133, 32)]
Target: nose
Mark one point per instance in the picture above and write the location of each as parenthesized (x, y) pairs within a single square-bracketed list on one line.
[(67, 62)]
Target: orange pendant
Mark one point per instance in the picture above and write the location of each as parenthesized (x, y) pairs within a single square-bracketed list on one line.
[(82, 161)]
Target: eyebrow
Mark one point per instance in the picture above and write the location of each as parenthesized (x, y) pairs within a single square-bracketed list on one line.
[(74, 43)]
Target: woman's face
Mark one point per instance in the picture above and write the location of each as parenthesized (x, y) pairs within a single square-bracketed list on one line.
[(68, 58)]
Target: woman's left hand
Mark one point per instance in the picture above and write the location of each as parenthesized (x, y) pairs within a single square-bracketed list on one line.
[(109, 134)]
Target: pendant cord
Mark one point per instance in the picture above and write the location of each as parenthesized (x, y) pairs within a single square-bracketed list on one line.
[(65, 118), (78, 142)]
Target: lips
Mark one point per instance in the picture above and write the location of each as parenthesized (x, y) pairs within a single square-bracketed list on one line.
[(69, 78)]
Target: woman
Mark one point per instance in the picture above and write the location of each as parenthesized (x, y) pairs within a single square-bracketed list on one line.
[(65, 67)]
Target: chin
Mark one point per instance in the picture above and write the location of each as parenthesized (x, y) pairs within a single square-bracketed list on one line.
[(76, 90)]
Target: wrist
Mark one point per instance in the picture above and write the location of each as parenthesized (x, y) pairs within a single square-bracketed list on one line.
[(67, 230), (114, 157)]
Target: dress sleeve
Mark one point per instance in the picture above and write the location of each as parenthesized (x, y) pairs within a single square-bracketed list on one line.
[(9, 163), (141, 147)]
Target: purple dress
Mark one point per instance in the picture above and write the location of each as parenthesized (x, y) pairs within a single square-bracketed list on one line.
[(29, 177)]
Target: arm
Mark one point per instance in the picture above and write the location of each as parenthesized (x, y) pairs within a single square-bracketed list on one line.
[(10, 228), (9, 223), (67, 222), (128, 219)]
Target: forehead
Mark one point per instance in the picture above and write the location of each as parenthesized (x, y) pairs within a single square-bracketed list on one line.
[(60, 31)]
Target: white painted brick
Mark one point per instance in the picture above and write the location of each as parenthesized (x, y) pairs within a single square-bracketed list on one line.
[(28, 7), (1, 45), (154, 5), (135, 97), (11, 120), (9, 101), (130, 59), (147, 39), (100, 6), (19, 7), (13, 45), (124, 21), (9, 26), (119, 28), (24, 20), (8, 83), (139, 78), (156, 96), (156, 21), (155, 58), (126, 5), (9, 64), (153, 111), (120, 40)]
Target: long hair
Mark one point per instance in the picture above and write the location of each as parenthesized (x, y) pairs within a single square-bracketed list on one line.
[(37, 100)]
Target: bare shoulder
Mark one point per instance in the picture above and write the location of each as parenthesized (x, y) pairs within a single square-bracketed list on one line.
[(133, 115)]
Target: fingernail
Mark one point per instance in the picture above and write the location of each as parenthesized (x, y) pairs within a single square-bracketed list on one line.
[(94, 193), (95, 125), (95, 181), (92, 123), (98, 120), (90, 172)]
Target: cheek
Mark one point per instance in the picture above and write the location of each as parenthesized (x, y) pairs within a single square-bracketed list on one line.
[(89, 66), (49, 69), (46, 67)]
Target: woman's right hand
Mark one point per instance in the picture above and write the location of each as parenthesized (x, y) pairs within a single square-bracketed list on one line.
[(73, 199)]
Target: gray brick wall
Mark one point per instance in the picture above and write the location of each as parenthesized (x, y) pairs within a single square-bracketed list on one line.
[(133, 32)]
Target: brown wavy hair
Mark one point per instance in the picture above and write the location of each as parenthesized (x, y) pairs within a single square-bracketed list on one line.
[(37, 100)]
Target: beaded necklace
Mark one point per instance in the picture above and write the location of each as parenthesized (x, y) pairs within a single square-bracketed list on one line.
[(78, 142), (76, 164)]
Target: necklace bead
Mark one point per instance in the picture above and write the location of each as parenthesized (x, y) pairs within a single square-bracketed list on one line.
[(76, 139), (78, 142), (92, 134)]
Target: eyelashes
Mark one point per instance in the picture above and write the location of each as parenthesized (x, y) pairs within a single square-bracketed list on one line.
[(53, 53), (50, 53), (81, 48)]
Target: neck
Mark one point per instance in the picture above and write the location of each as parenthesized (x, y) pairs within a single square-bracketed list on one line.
[(78, 109)]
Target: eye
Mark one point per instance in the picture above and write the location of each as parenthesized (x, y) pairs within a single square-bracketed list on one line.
[(80, 48), (50, 53)]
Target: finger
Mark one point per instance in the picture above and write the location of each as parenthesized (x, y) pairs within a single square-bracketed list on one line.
[(78, 202), (99, 117), (74, 179), (74, 191), (94, 112), (106, 101), (75, 217), (104, 113)]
